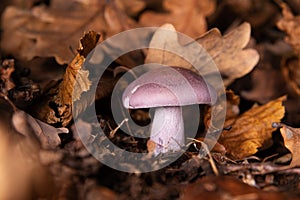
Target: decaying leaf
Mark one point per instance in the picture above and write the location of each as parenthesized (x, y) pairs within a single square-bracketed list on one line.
[(251, 130), (291, 138), (60, 111), (53, 31), (187, 16), (227, 52)]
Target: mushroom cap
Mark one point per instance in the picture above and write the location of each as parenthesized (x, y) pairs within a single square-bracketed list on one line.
[(168, 86)]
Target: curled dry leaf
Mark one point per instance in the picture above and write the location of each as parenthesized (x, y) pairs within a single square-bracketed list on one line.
[(62, 96), (227, 52), (46, 134), (53, 31), (188, 17), (291, 138), (251, 130)]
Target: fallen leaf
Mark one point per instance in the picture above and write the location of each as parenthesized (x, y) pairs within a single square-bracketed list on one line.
[(290, 71), (46, 134), (291, 138), (6, 69), (188, 17), (58, 108), (224, 187), (290, 66), (291, 25), (227, 52), (251, 130), (131, 8), (53, 31)]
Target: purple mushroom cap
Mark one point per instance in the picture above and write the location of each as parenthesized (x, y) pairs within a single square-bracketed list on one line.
[(168, 86), (167, 89)]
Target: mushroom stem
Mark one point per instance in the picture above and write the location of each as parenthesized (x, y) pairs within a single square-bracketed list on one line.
[(167, 130)]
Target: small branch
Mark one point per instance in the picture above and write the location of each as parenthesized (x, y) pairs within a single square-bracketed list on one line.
[(113, 132), (210, 158)]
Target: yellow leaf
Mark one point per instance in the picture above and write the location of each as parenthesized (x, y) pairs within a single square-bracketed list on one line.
[(252, 129)]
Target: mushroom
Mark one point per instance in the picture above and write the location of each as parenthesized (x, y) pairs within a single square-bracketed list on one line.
[(167, 89)]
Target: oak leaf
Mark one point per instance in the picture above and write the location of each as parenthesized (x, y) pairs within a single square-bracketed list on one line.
[(251, 130), (188, 17), (227, 52), (53, 31)]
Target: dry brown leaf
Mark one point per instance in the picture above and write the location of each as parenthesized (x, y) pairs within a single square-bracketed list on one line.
[(54, 31), (251, 130), (46, 134), (291, 73), (189, 17), (6, 69), (291, 138), (227, 52), (225, 187), (290, 66), (291, 25), (66, 92), (132, 7)]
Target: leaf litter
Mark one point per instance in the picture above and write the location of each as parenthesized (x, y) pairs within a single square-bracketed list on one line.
[(259, 65)]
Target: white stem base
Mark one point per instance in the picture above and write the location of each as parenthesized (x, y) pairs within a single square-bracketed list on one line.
[(167, 130)]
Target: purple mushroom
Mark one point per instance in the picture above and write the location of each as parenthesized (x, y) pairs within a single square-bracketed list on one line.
[(167, 89)]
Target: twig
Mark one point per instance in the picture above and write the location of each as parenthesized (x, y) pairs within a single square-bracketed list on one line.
[(210, 158), (113, 132)]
